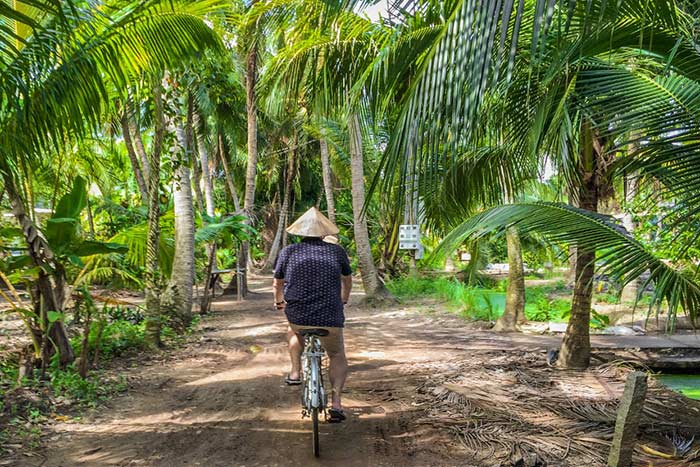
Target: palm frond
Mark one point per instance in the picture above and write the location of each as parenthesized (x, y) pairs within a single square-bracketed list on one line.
[(234, 226), (475, 54), (54, 88), (622, 257)]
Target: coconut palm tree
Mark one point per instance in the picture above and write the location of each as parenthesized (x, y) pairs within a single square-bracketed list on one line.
[(573, 81), (179, 297), (58, 61), (153, 275)]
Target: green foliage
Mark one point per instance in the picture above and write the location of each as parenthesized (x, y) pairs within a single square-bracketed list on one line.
[(124, 269), (8, 377), (124, 313), (227, 229), (63, 229), (623, 257), (117, 337), (608, 297), (72, 203), (540, 307), (472, 302), (88, 391), (599, 321)]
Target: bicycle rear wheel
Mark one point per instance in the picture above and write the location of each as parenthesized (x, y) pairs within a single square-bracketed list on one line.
[(314, 419)]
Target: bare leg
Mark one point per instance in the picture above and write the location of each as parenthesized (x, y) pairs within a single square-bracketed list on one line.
[(294, 353), (338, 371)]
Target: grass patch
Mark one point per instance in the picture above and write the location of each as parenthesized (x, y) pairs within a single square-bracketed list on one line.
[(470, 302), (688, 385), (607, 297), (543, 303)]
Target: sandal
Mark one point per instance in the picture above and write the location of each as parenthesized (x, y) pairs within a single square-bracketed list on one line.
[(292, 382), (336, 415)]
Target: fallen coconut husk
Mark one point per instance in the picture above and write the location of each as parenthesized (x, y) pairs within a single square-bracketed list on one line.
[(512, 409)]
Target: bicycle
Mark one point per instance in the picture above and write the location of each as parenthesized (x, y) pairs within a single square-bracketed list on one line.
[(313, 394)]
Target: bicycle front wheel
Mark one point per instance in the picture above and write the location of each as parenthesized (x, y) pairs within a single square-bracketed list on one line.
[(314, 419)]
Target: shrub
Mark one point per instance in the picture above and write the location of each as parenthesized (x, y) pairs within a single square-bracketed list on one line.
[(117, 337), (88, 391), (539, 307)]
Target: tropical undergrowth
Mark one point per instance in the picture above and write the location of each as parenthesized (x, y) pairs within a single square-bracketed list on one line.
[(543, 303), (27, 403)]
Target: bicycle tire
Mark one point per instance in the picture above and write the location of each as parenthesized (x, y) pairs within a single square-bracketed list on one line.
[(315, 444)]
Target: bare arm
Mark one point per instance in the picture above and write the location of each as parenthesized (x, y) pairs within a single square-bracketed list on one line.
[(278, 291), (345, 288)]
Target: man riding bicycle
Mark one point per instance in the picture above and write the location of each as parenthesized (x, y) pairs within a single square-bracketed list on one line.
[(312, 282)]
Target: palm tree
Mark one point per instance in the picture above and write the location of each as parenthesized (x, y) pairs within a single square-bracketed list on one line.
[(58, 61), (557, 81), (153, 277), (374, 287), (179, 294), (249, 44), (140, 175), (290, 175), (327, 178), (514, 311)]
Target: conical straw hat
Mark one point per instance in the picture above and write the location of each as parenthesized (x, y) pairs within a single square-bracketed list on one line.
[(313, 224)]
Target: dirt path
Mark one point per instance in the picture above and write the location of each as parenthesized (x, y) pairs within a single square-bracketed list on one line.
[(221, 400)]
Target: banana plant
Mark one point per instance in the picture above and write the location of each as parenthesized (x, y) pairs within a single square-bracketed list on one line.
[(64, 235)]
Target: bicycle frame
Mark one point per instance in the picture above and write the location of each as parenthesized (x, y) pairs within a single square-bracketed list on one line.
[(313, 394)]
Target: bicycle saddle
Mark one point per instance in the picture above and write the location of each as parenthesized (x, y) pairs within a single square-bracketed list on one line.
[(314, 332)]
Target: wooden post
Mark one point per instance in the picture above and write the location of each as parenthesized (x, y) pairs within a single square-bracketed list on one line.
[(629, 413)]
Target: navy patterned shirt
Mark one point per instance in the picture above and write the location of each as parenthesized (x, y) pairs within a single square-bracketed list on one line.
[(311, 271)]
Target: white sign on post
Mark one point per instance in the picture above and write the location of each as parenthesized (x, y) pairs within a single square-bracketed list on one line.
[(409, 237)]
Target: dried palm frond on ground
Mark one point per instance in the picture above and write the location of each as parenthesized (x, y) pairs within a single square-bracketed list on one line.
[(511, 409)]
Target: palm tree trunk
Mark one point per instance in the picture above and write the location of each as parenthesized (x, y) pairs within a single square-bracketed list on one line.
[(514, 312), (631, 182), (180, 296), (152, 273), (374, 287), (284, 209), (251, 168), (200, 130), (576, 347), (227, 172), (229, 179), (138, 145), (134, 159), (327, 179), (42, 257), (197, 186), (204, 159), (570, 275), (191, 160)]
